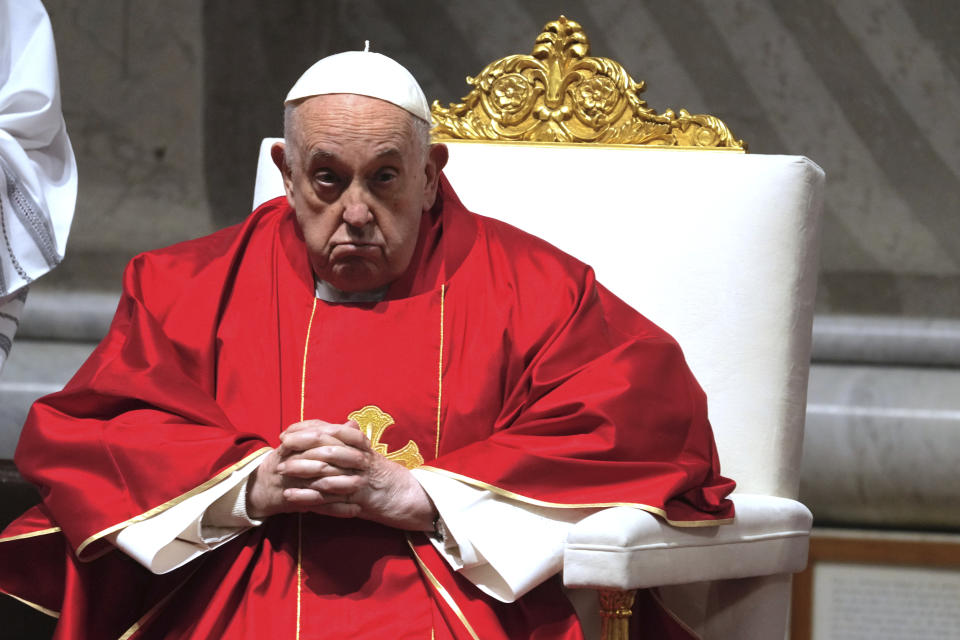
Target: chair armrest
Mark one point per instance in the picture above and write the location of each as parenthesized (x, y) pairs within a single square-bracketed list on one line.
[(626, 548)]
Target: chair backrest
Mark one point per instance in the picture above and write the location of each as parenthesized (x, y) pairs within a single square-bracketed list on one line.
[(719, 248), (716, 246)]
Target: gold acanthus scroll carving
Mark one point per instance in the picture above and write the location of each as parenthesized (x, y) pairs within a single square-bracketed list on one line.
[(561, 94), (373, 422)]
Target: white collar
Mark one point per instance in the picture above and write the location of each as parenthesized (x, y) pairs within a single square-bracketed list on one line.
[(328, 293)]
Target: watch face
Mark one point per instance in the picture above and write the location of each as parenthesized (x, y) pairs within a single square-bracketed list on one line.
[(439, 530)]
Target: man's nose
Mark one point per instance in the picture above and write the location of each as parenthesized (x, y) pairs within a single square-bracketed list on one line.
[(356, 211)]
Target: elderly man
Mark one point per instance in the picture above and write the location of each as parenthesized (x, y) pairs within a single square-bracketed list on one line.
[(363, 413)]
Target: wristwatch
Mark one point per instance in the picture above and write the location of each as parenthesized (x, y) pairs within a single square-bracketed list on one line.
[(440, 532)]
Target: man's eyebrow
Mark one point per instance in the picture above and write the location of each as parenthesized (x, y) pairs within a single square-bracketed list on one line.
[(322, 155), (389, 151)]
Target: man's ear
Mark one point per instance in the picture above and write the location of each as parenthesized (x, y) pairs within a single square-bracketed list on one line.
[(437, 157), (279, 156)]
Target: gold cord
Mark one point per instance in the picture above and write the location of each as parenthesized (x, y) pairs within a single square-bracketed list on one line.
[(436, 452), (303, 395)]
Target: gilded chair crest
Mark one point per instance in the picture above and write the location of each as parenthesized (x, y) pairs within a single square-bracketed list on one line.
[(559, 93)]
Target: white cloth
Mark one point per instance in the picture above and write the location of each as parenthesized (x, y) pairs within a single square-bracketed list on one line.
[(38, 172), (505, 547), (176, 536)]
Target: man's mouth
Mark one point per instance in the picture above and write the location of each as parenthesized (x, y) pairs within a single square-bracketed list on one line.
[(354, 248)]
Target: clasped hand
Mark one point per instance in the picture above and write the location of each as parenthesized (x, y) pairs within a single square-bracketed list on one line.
[(331, 469)]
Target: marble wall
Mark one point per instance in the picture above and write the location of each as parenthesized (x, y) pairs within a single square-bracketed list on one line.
[(131, 76), (883, 423), (165, 103)]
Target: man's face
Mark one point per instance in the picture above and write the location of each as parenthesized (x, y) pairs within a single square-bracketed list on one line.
[(359, 180)]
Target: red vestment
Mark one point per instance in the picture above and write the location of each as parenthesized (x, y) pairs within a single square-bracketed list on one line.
[(498, 357)]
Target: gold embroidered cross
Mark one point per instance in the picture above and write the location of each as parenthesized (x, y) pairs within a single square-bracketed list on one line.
[(373, 422)]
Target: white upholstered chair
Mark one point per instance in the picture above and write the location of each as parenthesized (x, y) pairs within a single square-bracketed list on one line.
[(720, 248)]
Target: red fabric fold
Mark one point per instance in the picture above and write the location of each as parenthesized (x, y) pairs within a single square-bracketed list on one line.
[(546, 386)]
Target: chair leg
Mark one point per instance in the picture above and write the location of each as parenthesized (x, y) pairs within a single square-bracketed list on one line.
[(616, 607)]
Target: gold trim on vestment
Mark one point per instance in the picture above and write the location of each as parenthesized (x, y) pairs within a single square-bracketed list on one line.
[(436, 452), (373, 421), (586, 505), (32, 534), (441, 590), (303, 371), (149, 615), (303, 396), (169, 503), (299, 567), (23, 536), (34, 605)]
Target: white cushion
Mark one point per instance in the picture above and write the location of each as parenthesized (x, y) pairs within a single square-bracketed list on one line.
[(626, 548)]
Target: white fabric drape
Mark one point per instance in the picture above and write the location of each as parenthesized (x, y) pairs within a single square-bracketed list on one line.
[(38, 171), (503, 546)]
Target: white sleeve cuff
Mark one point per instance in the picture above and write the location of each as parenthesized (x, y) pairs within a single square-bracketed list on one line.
[(201, 522), (223, 518), (506, 547)]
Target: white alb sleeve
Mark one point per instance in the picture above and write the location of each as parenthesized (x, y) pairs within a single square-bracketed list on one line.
[(506, 547), (200, 523), (38, 172)]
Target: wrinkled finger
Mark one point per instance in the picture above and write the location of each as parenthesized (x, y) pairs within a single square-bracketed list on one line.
[(308, 424), (342, 457), (298, 426), (300, 467), (305, 439), (350, 433), (302, 497), (338, 510), (344, 486)]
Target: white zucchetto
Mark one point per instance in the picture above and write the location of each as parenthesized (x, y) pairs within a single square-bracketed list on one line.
[(366, 74)]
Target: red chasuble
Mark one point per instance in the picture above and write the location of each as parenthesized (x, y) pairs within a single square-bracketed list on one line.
[(495, 359)]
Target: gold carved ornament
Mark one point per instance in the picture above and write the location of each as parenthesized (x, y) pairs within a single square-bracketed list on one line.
[(373, 422), (558, 93)]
